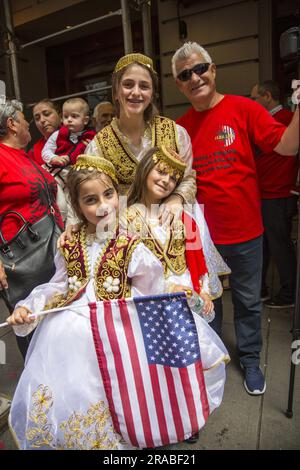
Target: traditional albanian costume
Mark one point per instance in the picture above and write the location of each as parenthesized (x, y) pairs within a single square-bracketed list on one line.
[(116, 147)]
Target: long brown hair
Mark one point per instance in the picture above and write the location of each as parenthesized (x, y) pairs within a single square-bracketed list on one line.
[(152, 109)]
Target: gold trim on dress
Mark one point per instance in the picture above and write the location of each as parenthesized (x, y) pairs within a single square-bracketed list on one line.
[(90, 431), (112, 145), (172, 253)]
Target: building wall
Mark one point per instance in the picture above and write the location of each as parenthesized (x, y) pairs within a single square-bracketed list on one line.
[(29, 10), (228, 29)]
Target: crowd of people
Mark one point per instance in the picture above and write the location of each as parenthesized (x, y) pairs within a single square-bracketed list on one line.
[(214, 176)]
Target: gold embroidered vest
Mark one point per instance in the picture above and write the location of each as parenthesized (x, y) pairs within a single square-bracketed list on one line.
[(110, 271), (111, 145), (172, 254)]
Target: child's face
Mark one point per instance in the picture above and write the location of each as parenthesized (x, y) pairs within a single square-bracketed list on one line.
[(74, 117), (159, 185), (135, 91), (98, 201)]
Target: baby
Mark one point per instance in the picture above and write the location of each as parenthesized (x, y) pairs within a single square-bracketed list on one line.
[(63, 147)]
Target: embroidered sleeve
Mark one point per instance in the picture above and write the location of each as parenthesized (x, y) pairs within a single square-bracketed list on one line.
[(205, 284), (187, 188)]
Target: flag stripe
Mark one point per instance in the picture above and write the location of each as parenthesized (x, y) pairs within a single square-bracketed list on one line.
[(203, 395), (103, 364), (197, 396), (159, 406), (137, 373), (117, 387), (120, 372), (145, 369), (174, 404), (189, 398)]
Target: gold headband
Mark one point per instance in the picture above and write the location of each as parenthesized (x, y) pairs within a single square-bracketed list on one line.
[(170, 161), (131, 58), (90, 163)]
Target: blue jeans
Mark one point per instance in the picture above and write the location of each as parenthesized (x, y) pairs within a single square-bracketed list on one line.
[(245, 262)]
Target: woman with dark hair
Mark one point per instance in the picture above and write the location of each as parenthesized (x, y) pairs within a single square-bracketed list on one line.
[(25, 189), (47, 119), (137, 127)]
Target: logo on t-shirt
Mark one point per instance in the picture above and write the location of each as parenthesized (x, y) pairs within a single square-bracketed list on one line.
[(226, 135)]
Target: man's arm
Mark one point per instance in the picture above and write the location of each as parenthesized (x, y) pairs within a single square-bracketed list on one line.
[(290, 138)]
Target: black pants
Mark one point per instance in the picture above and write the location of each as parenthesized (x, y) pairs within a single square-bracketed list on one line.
[(23, 342), (277, 218)]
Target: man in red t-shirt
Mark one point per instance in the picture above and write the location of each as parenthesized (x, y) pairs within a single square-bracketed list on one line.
[(277, 176), (223, 130)]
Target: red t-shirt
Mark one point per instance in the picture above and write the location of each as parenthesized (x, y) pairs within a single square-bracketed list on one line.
[(222, 139), (35, 153), (22, 189), (277, 174)]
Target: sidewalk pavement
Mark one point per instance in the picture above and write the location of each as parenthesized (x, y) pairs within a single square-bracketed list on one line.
[(242, 422)]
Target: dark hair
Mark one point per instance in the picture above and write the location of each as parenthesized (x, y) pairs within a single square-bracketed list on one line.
[(54, 105), (151, 110), (76, 178), (270, 86), (137, 190)]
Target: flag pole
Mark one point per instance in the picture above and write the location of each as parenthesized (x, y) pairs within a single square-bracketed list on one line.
[(72, 307)]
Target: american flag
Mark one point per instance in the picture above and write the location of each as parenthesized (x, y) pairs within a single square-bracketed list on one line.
[(150, 362)]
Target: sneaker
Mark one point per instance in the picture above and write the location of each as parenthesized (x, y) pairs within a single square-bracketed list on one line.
[(279, 303), (193, 439), (254, 382)]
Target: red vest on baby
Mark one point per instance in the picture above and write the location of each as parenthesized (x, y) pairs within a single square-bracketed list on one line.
[(64, 146)]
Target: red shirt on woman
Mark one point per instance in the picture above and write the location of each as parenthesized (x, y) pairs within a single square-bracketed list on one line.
[(23, 189)]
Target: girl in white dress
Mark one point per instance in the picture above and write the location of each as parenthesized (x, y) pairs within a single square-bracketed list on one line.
[(60, 402), (186, 251)]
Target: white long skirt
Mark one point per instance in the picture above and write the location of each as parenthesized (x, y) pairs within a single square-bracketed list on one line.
[(60, 402)]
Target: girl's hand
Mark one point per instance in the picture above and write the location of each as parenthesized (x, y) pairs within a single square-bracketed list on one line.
[(170, 211), (3, 277), (178, 288), (20, 316), (67, 235), (208, 304)]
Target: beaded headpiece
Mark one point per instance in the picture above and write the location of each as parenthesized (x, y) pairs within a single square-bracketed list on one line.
[(90, 163), (131, 58), (169, 161)]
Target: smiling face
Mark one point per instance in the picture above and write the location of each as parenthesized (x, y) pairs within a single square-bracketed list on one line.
[(159, 185), (199, 90), (98, 202), (135, 91), (46, 119)]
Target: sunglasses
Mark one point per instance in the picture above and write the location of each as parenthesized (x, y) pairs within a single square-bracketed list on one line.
[(198, 69)]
